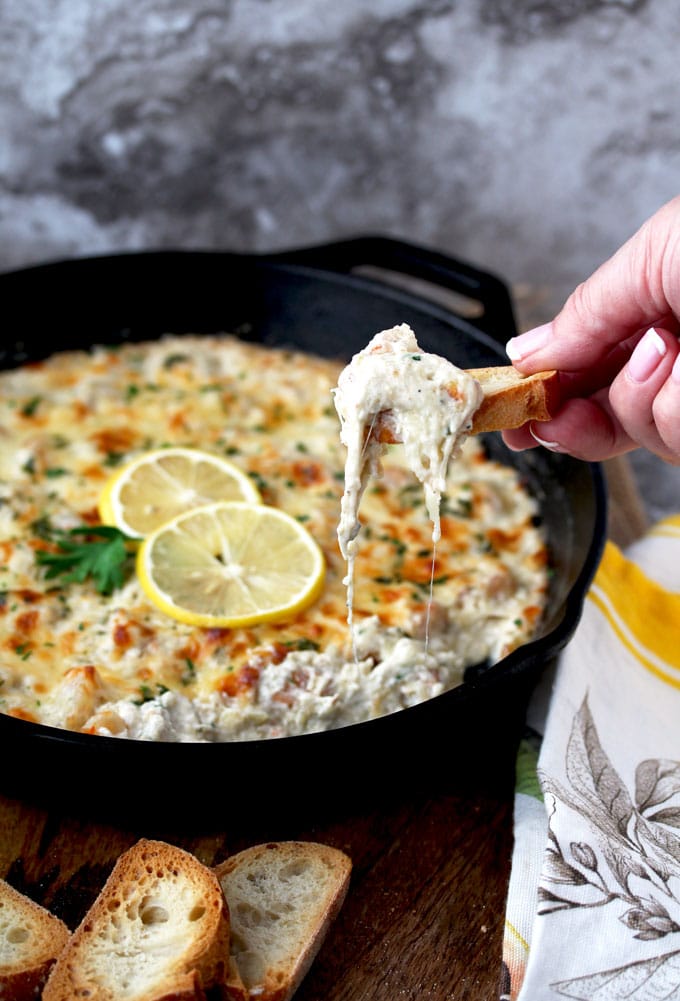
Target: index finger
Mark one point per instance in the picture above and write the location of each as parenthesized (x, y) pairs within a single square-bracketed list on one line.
[(638, 287)]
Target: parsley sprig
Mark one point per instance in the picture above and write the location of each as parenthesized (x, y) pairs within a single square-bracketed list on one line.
[(99, 552)]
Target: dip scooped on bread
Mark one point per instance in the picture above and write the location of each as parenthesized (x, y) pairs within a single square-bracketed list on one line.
[(393, 392)]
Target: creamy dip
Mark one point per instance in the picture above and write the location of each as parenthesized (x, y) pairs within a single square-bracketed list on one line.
[(114, 664), (427, 404)]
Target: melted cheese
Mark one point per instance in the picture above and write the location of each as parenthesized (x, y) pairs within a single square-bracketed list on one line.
[(430, 403), (72, 658)]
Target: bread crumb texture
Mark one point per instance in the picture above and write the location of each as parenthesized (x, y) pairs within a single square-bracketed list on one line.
[(282, 898), (160, 923), (30, 940)]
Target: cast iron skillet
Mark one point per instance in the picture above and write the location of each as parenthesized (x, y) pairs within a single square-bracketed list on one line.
[(326, 299)]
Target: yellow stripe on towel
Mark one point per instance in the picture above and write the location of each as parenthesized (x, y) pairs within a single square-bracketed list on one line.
[(510, 928), (644, 615), (669, 527)]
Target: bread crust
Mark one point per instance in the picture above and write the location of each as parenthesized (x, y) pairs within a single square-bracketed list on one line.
[(512, 399), (328, 875), (155, 883), (33, 938), (149, 885)]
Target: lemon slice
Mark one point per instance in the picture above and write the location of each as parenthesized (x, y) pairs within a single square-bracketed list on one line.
[(159, 485), (231, 564)]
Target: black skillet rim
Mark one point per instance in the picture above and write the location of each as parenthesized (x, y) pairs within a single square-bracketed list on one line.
[(335, 265)]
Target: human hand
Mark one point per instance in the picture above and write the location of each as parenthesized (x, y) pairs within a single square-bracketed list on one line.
[(615, 345)]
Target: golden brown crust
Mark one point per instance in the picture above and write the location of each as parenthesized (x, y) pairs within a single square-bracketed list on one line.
[(511, 399), (158, 877), (40, 937)]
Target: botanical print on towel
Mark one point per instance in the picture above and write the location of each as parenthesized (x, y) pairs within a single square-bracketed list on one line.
[(630, 862)]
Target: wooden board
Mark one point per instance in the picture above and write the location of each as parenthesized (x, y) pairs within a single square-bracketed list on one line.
[(424, 914)]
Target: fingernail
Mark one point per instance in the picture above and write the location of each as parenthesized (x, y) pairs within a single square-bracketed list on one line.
[(525, 344), (646, 357), (675, 371), (554, 446)]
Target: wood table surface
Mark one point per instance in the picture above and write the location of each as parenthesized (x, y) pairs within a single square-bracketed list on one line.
[(424, 914)]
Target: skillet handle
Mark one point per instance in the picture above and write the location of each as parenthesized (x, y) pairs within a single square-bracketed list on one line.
[(492, 311)]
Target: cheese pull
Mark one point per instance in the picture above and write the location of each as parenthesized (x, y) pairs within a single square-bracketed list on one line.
[(510, 400)]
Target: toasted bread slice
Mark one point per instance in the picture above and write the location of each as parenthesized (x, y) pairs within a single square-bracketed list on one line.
[(158, 929), (282, 898), (511, 399), (31, 938)]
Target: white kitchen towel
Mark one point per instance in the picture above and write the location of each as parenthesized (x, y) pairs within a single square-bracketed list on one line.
[(593, 908)]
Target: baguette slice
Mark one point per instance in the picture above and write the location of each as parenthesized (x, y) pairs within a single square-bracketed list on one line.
[(159, 929), (283, 898), (31, 938), (511, 399)]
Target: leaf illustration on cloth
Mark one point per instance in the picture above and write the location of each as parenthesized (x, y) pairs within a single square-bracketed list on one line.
[(630, 860), (589, 770), (597, 793), (657, 781), (649, 980)]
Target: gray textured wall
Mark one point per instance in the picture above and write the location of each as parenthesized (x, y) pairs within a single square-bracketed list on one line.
[(528, 136)]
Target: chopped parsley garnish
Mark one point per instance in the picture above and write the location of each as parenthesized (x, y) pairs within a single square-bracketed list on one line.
[(189, 673), (483, 543), (31, 406), (99, 552), (259, 481), (409, 496), (303, 643), (147, 693), (435, 580), (464, 506), (42, 528), (400, 546)]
